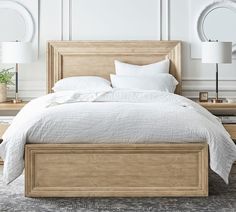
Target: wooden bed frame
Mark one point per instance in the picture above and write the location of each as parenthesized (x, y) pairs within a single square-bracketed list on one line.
[(114, 170)]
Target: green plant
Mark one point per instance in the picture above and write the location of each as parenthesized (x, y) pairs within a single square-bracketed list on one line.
[(6, 76)]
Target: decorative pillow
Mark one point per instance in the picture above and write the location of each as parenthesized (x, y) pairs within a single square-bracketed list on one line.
[(84, 84), (164, 82), (125, 69)]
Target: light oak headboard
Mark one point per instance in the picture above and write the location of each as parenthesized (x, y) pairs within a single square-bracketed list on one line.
[(96, 58)]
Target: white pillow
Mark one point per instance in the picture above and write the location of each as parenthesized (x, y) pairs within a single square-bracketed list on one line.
[(125, 69), (83, 84), (164, 82)]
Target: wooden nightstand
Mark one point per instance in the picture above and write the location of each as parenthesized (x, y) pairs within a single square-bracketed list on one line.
[(225, 108), (8, 109), (221, 109)]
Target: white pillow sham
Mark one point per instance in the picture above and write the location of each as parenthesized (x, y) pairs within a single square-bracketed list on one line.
[(164, 82), (125, 69), (84, 84)]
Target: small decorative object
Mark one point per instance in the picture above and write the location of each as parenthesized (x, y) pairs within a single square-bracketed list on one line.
[(203, 96), (5, 79), (231, 100), (17, 52), (217, 53)]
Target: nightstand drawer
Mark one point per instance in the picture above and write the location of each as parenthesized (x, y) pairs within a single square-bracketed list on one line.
[(7, 112), (3, 128), (231, 128)]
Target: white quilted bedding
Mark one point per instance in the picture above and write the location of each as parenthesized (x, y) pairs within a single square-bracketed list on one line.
[(120, 116)]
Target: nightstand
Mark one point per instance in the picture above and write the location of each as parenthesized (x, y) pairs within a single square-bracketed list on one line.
[(7, 112), (223, 109)]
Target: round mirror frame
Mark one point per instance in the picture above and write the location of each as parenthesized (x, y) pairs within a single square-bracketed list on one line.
[(207, 10), (26, 15)]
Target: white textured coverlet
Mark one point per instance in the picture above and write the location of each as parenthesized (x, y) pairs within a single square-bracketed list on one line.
[(117, 116)]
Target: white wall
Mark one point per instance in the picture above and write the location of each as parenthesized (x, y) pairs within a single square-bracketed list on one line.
[(122, 19)]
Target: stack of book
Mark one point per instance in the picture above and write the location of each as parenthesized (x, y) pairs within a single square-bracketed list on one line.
[(6, 119), (228, 119)]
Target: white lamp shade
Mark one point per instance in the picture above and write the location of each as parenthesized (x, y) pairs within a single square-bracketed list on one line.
[(217, 52), (17, 52)]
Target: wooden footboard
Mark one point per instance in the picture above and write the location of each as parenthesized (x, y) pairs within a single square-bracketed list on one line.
[(108, 170)]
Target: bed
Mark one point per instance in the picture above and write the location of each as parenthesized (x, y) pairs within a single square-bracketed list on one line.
[(131, 170), (75, 168)]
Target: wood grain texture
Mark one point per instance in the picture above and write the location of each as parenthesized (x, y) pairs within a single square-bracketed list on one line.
[(8, 106), (221, 109), (115, 170), (3, 128), (96, 58), (231, 129), (219, 106)]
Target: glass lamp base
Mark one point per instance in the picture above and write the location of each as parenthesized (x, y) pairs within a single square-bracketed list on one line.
[(217, 100), (15, 101)]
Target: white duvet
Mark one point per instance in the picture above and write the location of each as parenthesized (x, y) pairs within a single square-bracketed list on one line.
[(118, 116)]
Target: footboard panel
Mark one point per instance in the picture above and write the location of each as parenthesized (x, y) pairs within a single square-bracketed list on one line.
[(116, 170)]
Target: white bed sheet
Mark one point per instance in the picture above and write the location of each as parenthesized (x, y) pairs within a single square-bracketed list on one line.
[(118, 116)]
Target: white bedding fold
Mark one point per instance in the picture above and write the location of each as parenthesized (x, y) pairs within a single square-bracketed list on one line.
[(121, 116)]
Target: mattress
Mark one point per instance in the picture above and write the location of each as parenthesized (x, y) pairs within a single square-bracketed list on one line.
[(117, 116)]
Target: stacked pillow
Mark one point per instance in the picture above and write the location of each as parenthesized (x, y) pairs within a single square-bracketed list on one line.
[(147, 77), (83, 84)]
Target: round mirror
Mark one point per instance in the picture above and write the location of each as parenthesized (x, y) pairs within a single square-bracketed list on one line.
[(216, 25), (16, 22), (8, 32), (217, 22)]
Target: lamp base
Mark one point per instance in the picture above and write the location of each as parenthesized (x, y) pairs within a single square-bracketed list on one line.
[(16, 101), (217, 100)]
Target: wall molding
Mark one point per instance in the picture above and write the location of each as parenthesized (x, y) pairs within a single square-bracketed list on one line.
[(208, 88), (165, 19), (66, 19), (160, 18), (208, 84), (208, 79), (70, 20)]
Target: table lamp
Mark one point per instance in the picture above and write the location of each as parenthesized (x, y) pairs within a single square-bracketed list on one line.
[(18, 53), (217, 52)]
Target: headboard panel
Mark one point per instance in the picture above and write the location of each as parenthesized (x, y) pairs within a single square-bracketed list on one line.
[(96, 58)]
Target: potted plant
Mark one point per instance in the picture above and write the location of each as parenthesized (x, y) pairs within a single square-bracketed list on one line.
[(5, 79)]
